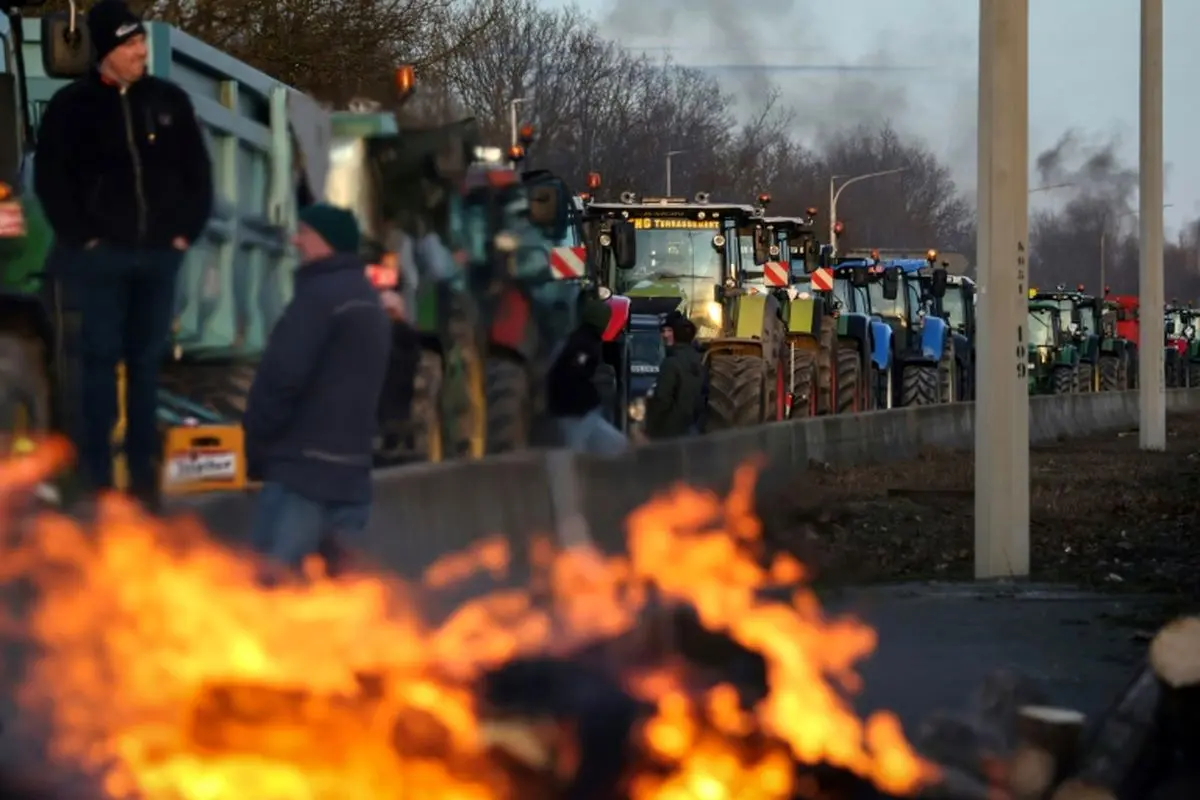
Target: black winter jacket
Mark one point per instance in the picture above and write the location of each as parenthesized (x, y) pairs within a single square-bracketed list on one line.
[(126, 166), (571, 381), (311, 418)]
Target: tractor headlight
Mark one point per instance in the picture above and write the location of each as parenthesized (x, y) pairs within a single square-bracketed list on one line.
[(1043, 354), (714, 314), (637, 409)]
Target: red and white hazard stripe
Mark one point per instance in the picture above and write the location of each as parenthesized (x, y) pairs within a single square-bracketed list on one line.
[(776, 273), (822, 280), (568, 263)]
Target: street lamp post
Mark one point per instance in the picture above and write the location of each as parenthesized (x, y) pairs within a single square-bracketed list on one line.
[(835, 192), (512, 116), (670, 155), (1104, 241)]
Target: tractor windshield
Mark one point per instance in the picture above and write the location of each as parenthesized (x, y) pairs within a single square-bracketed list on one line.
[(954, 307), (882, 306), (675, 262), (646, 349), (1041, 327), (1175, 318)]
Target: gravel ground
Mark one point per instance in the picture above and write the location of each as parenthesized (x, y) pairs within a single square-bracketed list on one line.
[(1102, 514)]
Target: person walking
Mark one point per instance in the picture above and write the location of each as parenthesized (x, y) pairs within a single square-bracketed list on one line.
[(311, 417), (675, 405), (572, 398), (124, 177)]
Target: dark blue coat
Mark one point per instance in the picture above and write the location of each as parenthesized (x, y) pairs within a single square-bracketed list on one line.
[(311, 417)]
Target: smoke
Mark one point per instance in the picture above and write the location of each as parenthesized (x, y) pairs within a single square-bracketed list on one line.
[(919, 78), (1091, 169)]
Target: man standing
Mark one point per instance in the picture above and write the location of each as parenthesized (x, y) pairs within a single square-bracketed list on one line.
[(125, 179), (311, 417), (572, 398), (674, 408)]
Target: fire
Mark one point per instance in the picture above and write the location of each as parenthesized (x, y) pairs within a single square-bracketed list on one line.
[(171, 673)]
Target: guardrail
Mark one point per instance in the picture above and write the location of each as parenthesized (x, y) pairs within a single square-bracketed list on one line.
[(423, 511)]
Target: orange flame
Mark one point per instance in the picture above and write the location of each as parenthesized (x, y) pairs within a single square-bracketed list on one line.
[(171, 672)]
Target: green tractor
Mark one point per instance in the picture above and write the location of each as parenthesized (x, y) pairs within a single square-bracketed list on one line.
[(1053, 356), (828, 346), (698, 257)]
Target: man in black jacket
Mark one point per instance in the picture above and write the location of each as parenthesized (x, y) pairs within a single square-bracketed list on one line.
[(124, 176), (571, 394), (311, 416), (675, 407)]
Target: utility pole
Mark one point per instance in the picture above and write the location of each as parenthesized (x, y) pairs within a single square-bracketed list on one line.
[(512, 117), (1002, 404), (834, 195), (1152, 400), (670, 154)]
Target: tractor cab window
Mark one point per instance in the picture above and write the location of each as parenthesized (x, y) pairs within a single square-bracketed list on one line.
[(1041, 327), (883, 307), (675, 257), (1087, 320), (954, 307), (646, 348), (1064, 315), (842, 293)]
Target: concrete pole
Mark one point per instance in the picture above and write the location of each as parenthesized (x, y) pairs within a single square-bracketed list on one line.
[(1002, 404), (1152, 400)]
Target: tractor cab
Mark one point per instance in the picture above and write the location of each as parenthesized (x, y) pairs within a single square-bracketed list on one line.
[(1080, 326), (1178, 334), (1053, 355)]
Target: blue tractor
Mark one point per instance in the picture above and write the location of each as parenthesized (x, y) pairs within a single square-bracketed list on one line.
[(852, 278)]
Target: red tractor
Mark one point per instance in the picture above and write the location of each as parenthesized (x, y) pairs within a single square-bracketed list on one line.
[(1121, 316)]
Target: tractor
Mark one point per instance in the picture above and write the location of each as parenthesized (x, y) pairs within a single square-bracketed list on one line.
[(1079, 325), (957, 307), (1119, 364), (1178, 332), (694, 256), (819, 328), (852, 277), (1053, 355)]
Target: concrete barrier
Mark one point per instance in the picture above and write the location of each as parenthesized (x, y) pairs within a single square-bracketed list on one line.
[(424, 511)]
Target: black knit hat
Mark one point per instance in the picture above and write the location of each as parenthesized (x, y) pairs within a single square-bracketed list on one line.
[(336, 226), (111, 24)]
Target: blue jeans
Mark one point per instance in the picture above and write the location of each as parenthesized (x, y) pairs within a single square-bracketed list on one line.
[(593, 434), (126, 301), (289, 527)]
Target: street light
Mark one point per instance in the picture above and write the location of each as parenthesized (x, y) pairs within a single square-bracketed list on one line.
[(669, 155), (1104, 238), (836, 191), (512, 116)]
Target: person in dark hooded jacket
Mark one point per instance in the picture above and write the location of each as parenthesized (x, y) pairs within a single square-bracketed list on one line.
[(572, 397), (311, 417), (674, 408)]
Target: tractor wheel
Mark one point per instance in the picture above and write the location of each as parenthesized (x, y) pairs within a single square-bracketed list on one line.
[(1171, 373), (1083, 377), (919, 385), (826, 366), (1110, 374), (1193, 376), (737, 392), (1062, 380), (1123, 381), (849, 380), (806, 383), (509, 404), (24, 390)]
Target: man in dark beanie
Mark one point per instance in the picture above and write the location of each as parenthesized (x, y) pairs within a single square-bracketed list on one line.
[(675, 405), (571, 394), (126, 182), (311, 417)]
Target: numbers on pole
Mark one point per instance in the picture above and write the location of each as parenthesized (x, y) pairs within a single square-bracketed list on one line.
[(1021, 370)]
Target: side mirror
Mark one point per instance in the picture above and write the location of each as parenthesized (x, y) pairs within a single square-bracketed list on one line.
[(66, 53), (891, 283), (825, 257), (937, 285), (1190, 331), (859, 277), (548, 210), (1170, 328), (762, 246), (624, 244)]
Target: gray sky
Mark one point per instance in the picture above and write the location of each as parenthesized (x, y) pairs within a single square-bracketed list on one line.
[(1083, 68)]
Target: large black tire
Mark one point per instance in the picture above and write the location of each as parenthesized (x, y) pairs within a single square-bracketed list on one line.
[(737, 392), (1110, 374), (805, 383), (849, 379), (826, 362), (425, 418), (1062, 380), (1083, 377), (509, 405), (919, 385), (1171, 372), (1193, 376)]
